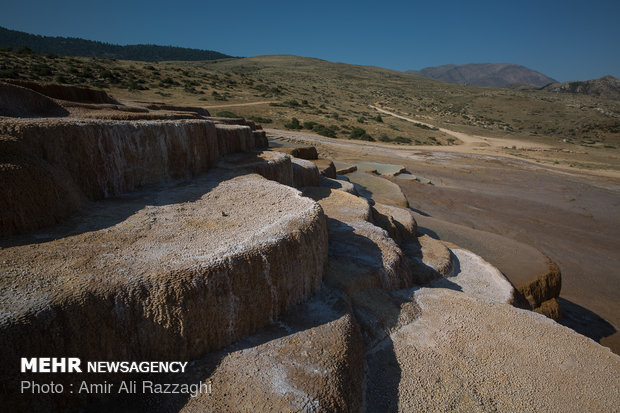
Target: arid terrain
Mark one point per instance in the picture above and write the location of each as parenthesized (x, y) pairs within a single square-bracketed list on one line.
[(474, 197), (308, 236)]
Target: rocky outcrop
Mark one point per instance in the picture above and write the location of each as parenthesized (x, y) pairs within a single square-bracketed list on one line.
[(234, 138), (65, 92), (20, 102), (326, 168), (398, 222), (340, 184), (271, 165), (541, 294), (362, 255), (260, 139), (235, 121), (305, 173), (92, 160), (193, 269), (303, 152), (378, 189), (606, 87), (343, 168)]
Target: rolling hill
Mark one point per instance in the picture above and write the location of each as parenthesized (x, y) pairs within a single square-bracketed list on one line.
[(606, 87), (486, 74)]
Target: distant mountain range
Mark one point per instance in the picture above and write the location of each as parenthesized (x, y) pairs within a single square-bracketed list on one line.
[(606, 87), (486, 74), (71, 46)]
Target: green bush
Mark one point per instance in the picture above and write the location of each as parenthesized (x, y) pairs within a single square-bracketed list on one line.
[(260, 119), (359, 133), (324, 130), (227, 114), (379, 119), (309, 125), (42, 70), (293, 124), (402, 139), (60, 79)]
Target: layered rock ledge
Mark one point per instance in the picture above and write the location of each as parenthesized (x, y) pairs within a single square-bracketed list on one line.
[(192, 268), (50, 167)]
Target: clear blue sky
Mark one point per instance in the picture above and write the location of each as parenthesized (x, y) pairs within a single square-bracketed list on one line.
[(567, 40)]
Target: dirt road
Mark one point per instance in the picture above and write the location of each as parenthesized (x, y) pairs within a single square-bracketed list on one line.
[(468, 140)]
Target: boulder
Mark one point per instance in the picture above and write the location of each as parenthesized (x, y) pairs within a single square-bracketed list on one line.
[(398, 222), (234, 138), (302, 152), (305, 173), (260, 139), (544, 288), (271, 165), (378, 189), (338, 184), (326, 168)]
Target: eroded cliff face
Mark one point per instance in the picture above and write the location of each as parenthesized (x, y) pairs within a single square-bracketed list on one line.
[(49, 167), (194, 258)]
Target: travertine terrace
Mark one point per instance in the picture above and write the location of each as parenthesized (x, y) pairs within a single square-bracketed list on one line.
[(154, 232)]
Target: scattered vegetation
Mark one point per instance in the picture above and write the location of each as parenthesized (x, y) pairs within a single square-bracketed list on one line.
[(333, 100), (227, 114), (359, 133), (293, 124)]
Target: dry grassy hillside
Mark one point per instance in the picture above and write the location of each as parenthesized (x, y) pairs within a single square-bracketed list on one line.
[(333, 98)]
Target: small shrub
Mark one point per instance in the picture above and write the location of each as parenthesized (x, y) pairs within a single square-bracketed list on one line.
[(227, 114), (324, 131), (293, 124), (359, 133), (309, 125), (217, 96), (42, 70), (379, 119), (25, 50), (9, 73), (402, 139), (260, 119), (60, 79)]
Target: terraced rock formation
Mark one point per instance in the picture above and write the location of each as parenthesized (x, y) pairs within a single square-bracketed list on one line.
[(179, 240)]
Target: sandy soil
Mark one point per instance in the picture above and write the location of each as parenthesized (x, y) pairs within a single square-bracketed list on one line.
[(572, 217)]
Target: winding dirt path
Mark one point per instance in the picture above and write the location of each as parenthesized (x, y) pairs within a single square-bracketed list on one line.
[(468, 140)]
